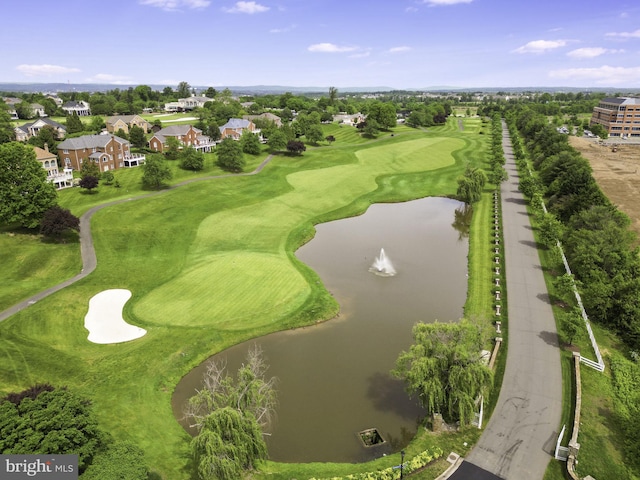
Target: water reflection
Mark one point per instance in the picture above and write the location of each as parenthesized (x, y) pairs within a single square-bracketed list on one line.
[(462, 220), (334, 378)]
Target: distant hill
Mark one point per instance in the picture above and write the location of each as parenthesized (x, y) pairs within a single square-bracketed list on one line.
[(279, 89), (251, 89)]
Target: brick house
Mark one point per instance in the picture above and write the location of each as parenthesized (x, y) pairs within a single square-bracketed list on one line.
[(50, 163), (187, 135), (108, 151), (125, 122), (236, 126)]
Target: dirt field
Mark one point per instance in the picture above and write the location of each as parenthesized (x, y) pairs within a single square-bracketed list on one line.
[(617, 173)]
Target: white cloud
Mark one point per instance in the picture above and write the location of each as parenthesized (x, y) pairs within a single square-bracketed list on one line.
[(330, 48), (175, 5), (434, 3), (635, 34), (591, 52), (540, 46), (282, 30), (45, 70), (246, 7), (605, 75), (399, 49), (108, 78)]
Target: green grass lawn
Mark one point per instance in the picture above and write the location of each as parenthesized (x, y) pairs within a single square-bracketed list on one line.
[(211, 264), (30, 264)]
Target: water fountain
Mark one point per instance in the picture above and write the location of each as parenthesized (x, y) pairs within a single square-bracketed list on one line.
[(382, 266)]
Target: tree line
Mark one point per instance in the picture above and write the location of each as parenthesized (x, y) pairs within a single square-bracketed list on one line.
[(595, 235)]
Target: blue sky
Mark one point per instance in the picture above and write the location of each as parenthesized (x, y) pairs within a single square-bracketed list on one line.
[(341, 43)]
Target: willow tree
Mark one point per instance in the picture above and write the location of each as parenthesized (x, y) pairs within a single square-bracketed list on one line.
[(470, 184), (228, 444), (229, 414), (444, 368)]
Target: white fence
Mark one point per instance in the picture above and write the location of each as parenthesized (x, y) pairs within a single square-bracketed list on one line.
[(561, 453), (599, 365)]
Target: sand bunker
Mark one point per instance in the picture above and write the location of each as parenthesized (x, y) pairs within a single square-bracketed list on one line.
[(104, 318)]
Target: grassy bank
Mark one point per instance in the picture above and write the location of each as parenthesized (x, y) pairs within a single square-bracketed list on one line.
[(211, 264)]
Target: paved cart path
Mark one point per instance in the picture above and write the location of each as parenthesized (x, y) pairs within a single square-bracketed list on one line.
[(87, 251)]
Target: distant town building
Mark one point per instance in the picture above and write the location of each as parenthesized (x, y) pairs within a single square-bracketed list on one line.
[(620, 116)]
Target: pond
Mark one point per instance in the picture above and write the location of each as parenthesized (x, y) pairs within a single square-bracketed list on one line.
[(334, 378)]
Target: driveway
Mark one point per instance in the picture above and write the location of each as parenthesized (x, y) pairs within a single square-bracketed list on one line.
[(519, 440)]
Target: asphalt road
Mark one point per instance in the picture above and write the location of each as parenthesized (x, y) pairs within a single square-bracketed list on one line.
[(519, 440)]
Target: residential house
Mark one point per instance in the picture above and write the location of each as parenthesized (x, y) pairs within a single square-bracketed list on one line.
[(235, 127), (50, 163), (187, 135), (11, 103), (108, 151), (619, 116), (347, 119), (184, 104), (38, 110), (125, 122), (56, 99), (266, 116), (28, 130), (81, 108)]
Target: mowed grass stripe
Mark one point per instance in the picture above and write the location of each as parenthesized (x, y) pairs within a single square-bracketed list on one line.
[(230, 291), (243, 282)]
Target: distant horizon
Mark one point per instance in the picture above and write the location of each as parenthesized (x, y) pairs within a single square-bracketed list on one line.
[(41, 87), (460, 44)]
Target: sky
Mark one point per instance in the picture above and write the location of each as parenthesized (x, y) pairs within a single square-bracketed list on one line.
[(401, 44)]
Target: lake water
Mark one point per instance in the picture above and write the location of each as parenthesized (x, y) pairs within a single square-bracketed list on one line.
[(334, 378)]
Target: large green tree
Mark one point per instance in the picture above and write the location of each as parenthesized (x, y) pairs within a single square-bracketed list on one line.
[(7, 134), (49, 421), (24, 110), (230, 156), (444, 368), (137, 137), (155, 171), (172, 152), (74, 124), (46, 136), (384, 113), (250, 143), (191, 159), (277, 140), (183, 90), (25, 192)]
